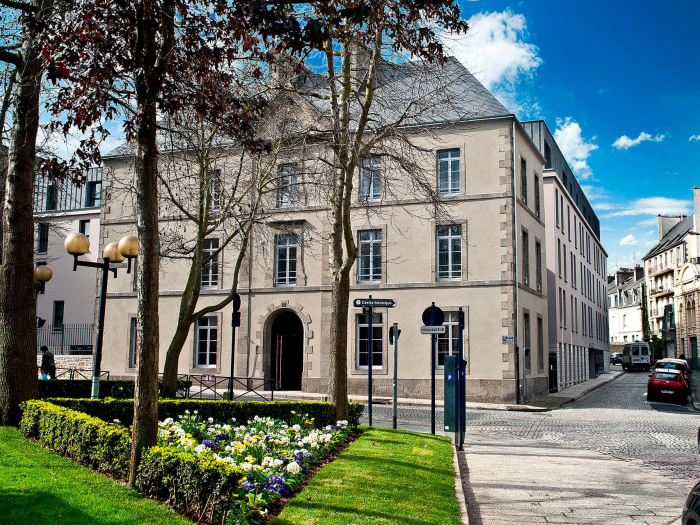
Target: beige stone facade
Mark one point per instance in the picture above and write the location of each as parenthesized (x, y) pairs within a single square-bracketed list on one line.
[(482, 214)]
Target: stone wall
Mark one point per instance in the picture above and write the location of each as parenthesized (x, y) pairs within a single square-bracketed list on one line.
[(81, 362)]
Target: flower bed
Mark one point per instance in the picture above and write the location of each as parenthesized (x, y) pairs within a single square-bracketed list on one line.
[(253, 464)]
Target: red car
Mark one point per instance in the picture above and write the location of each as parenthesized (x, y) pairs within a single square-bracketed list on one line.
[(664, 383)]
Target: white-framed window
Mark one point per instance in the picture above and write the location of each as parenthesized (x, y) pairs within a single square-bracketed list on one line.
[(287, 193), (363, 341), (210, 270), (448, 172), (370, 256), (133, 331), (371, 180), (286, 260), (207, 333), (447, 343), (449, 252)]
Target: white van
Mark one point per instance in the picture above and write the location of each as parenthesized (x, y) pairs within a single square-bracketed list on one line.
[(636, 356)]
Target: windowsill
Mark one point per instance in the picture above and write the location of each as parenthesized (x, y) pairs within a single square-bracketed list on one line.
[(451, 279), (209, 287), (369, 200), (205, 367), (370, 282), (365, 368), (456, 194), (285, 285)]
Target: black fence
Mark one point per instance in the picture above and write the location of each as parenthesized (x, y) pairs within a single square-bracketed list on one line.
[(66, 339), (211, 386)]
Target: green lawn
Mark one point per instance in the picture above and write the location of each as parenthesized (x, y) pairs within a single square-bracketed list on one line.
[(385, 477), (37, 487)]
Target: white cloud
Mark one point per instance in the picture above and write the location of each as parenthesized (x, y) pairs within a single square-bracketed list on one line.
[(575, 149), (694, 137), (629, 240), (648, 222), (604, 206), (495, 51), (624, 142), (655, 206)]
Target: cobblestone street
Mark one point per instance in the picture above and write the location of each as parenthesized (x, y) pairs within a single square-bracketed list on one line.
[(609, 457)]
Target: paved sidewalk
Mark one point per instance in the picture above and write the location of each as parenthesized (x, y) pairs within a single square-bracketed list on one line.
[(575, 392), (522, 481), (695, 390)]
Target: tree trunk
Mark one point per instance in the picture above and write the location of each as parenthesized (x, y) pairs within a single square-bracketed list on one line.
[(337, 381), (172, 357), (145, 430), (18, 368)]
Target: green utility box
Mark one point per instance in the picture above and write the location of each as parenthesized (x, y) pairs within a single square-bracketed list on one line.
[(450, 399)]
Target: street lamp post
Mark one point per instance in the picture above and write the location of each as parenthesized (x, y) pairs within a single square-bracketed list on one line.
[(78, 244)]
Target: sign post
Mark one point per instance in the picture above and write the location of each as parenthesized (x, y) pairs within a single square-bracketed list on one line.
[(235, 322), (368, 309), (394, 334), (433, 318), (461, 398)]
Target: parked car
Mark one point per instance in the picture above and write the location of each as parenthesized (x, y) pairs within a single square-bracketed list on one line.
[(616, 358), (675, 364), (636, 355), (667, 384), (691, 508)]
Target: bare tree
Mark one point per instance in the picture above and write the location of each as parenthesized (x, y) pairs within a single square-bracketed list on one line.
[(372, 103), (22, 52)]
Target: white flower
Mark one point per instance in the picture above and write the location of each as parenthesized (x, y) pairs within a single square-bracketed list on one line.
[(187, 412), (342, 423), (296, 428), (199, 449), (211, 419), (168, 421), (293, 468), (246, 466), (195, 412), (117, 421), (277, 463)]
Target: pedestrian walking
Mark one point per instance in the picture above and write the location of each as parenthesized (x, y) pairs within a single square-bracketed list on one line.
[(48, 364)]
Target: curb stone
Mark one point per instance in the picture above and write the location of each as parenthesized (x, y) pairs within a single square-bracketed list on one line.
[(459, 487)]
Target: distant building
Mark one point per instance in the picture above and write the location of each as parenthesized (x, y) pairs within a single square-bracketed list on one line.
[(66, 304), (576, 271), (625, 304), (672, 268)]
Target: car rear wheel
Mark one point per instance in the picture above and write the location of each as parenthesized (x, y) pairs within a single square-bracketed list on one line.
[(650, 396)]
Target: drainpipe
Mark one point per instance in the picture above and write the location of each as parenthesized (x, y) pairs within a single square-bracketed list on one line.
[(520, 392)]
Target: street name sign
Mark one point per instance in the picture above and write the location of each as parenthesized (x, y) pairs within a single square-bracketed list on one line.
[(380, 303), (432, 329), (507, 339)]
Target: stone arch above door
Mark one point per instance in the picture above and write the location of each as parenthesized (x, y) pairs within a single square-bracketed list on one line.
[(265, 321)]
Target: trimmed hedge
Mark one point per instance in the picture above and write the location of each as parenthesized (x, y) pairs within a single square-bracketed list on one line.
[(87, 440), (242, 411), (195, 485), (81, 388)]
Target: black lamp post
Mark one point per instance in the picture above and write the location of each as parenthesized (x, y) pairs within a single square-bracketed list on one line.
[(77, 244)]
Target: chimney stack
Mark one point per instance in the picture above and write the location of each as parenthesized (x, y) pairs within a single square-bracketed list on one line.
[(666, 224)]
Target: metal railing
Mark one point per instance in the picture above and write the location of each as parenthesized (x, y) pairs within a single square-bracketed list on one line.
[(67, 339)]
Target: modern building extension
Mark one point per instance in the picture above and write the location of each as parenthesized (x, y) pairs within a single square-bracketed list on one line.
[(488, 257), (576, 271), (625, 304), (66, 304)]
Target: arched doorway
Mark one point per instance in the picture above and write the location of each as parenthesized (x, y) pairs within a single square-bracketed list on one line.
[(286, 351)]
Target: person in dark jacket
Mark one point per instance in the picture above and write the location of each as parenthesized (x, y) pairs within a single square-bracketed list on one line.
[(48, 365)]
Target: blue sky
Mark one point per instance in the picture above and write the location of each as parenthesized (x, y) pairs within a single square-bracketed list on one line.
[(619, 85)]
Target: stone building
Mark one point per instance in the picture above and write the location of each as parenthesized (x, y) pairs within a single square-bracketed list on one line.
[(487, 257), (576, 271), (625, 304), (672, 267)]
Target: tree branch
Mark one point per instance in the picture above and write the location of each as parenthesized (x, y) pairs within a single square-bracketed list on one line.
[(26, 8)]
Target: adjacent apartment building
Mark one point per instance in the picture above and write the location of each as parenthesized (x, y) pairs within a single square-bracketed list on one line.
[(488, 257), (625, 304), (576, 271), (672, 268), (66, 304)]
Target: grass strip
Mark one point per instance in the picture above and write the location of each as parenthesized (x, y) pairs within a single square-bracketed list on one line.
[(37, 486), (385, 477)]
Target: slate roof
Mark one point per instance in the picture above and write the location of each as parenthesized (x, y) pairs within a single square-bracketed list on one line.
[(674, 236), (448, 93)]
